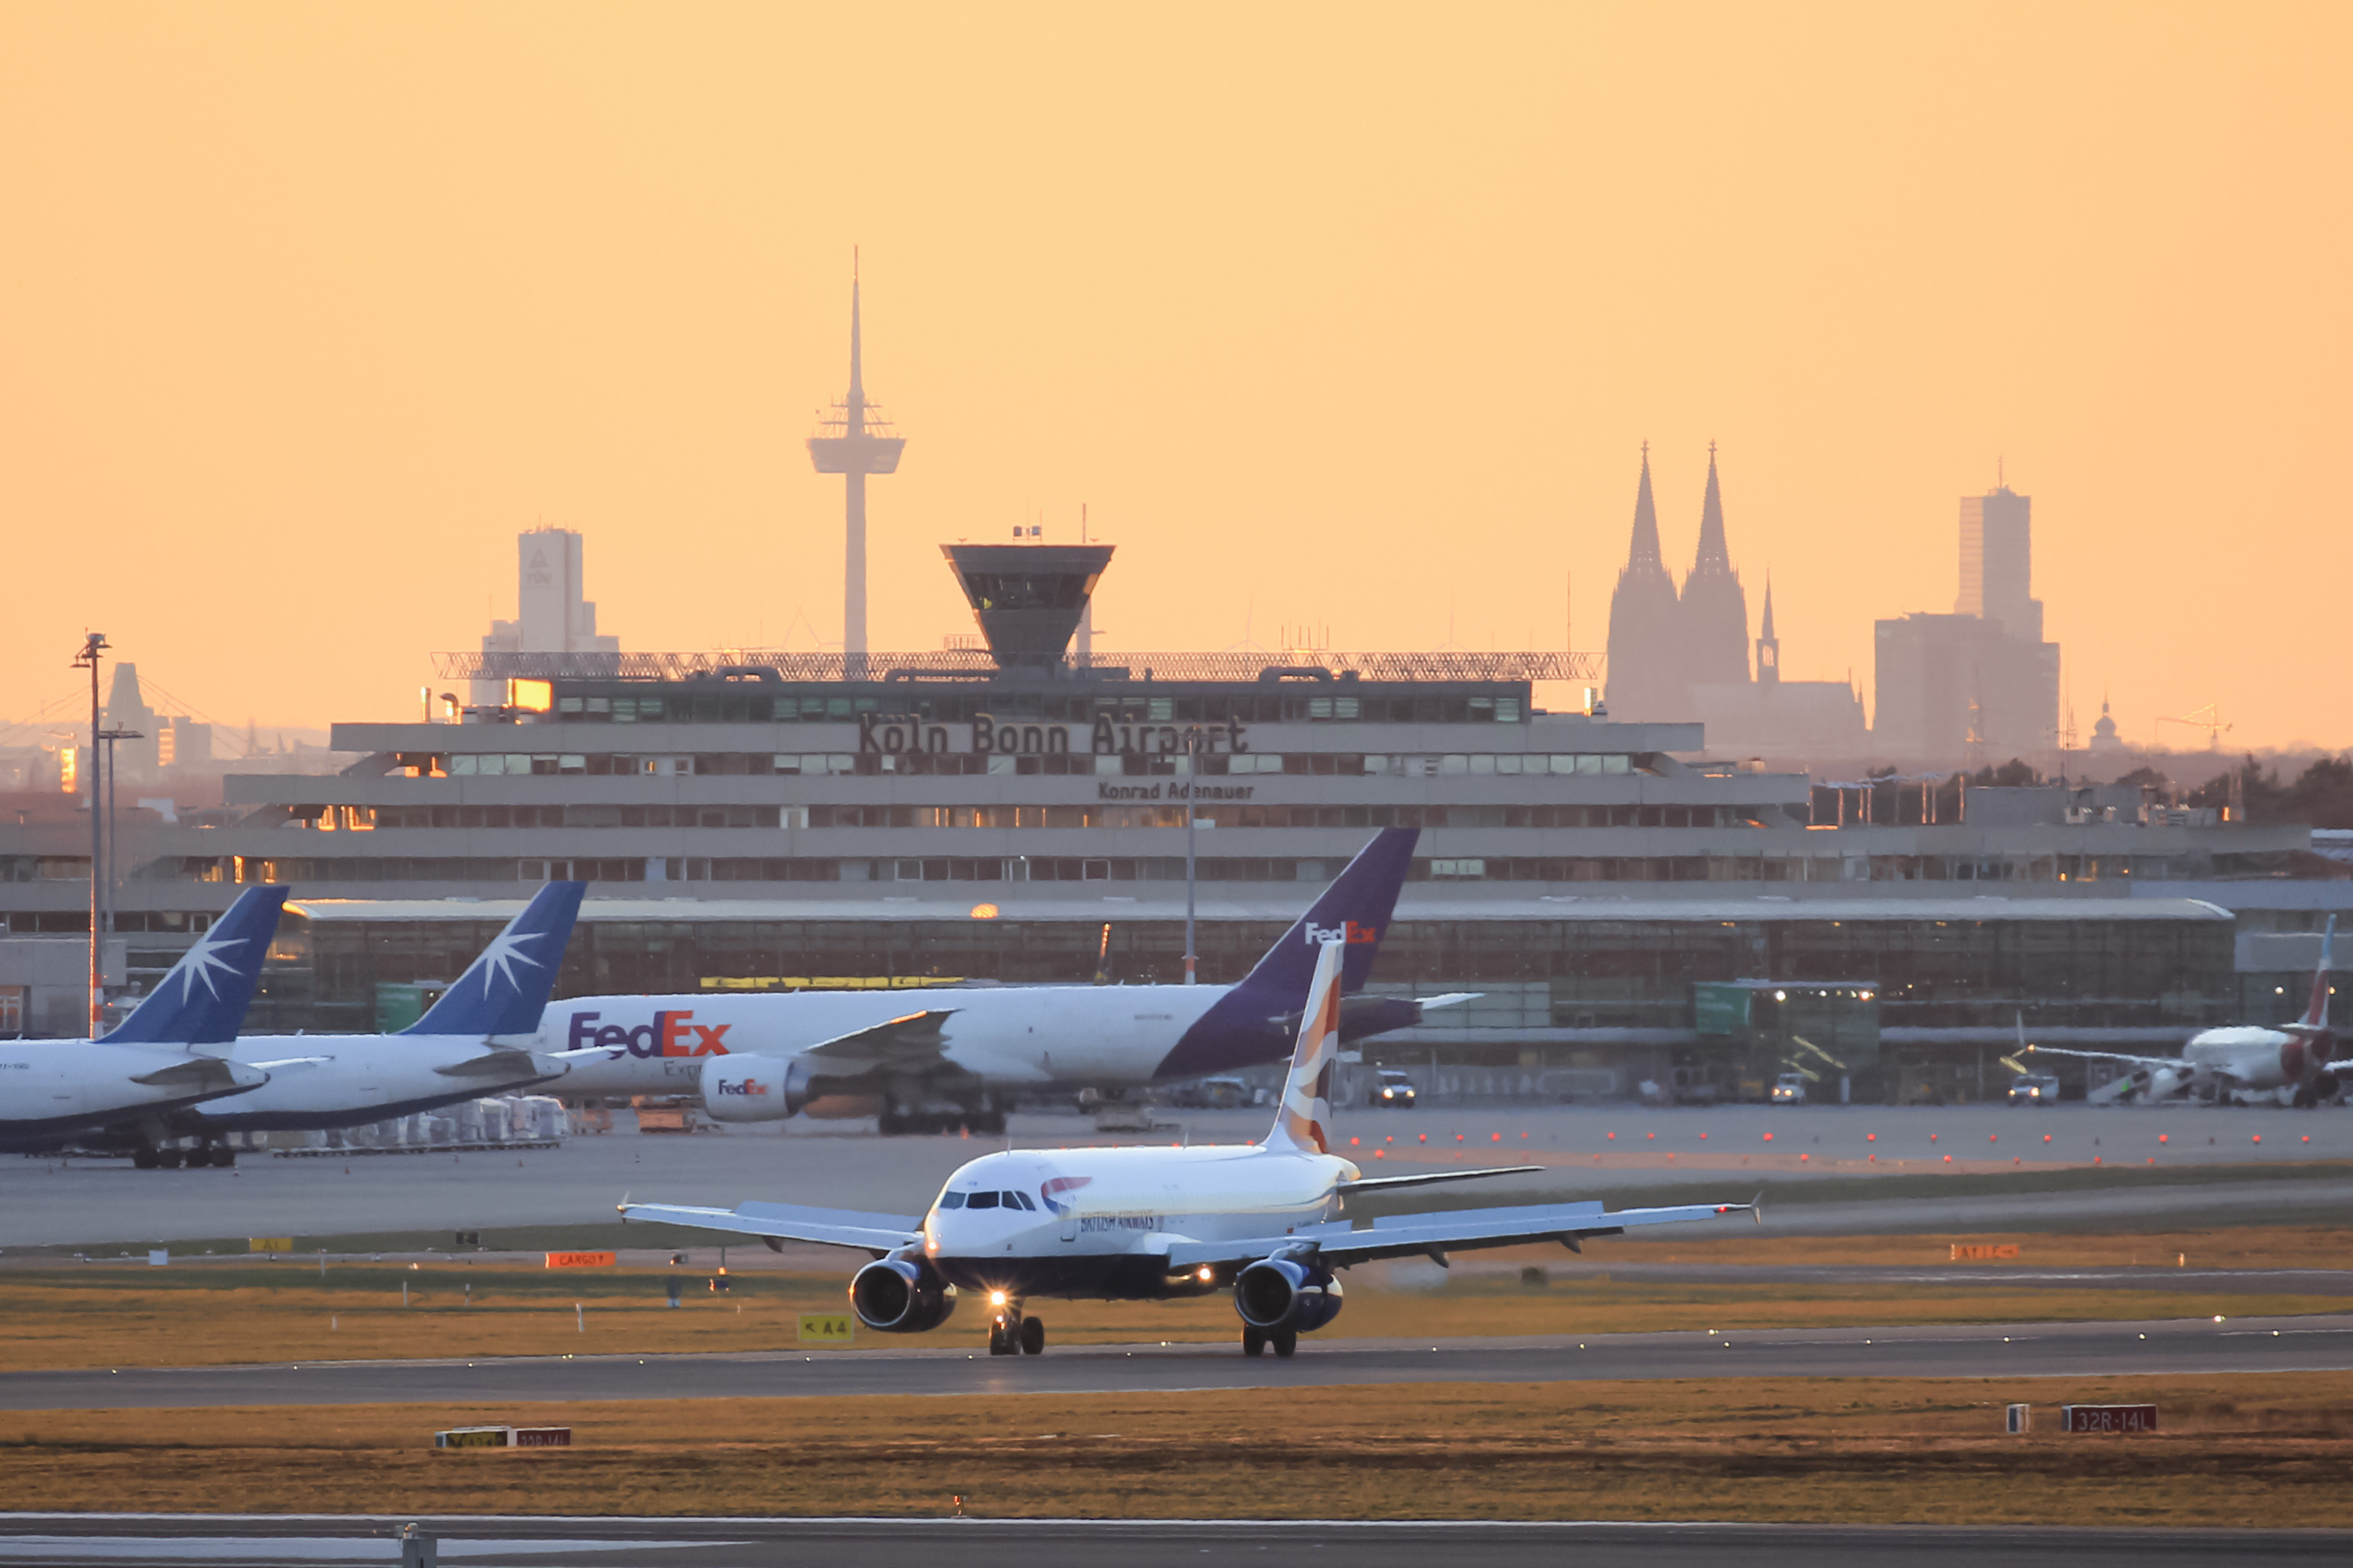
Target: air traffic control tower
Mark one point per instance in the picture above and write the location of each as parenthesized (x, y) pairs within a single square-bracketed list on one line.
[(1028, 598), (853, 441)]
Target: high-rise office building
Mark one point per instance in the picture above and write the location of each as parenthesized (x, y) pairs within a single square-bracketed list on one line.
[(1980, 685), (552, 614)]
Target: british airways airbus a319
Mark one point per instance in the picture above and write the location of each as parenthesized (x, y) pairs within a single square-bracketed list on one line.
[(1267, 1220)]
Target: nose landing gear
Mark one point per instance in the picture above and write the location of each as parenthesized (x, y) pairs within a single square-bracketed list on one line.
[(1010, 1333)]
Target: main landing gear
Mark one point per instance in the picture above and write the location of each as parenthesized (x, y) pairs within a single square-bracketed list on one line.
[(1255, 1340), (1010, 1333), (149, 1157)]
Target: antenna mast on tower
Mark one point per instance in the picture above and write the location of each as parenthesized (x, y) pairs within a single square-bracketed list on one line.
[(854, 440)]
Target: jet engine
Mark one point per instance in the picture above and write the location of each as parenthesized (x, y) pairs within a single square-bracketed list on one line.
[(742, 1087), (1278, 1294), (895, 1296)]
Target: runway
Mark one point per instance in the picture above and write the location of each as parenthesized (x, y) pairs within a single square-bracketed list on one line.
[(305, 1541), (2170, 1347)]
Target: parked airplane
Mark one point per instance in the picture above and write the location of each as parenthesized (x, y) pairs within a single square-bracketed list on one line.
[(968, 1051), (1268, 1221), (2241, 1059), (168, 1055), (452, 1053)]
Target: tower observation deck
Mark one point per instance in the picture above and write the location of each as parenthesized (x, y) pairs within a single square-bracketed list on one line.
[(854, 440)]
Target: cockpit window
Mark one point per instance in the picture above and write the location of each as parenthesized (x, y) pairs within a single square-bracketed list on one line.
[(1020, 1200), (950, 1200), (981, 1201)]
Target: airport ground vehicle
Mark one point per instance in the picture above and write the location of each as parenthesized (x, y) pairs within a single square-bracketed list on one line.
[(1267, 1220), (1790, 1088), (1392, 1090), (969, 1053), (170, 1053), (1211, 1094), (2034, 1088)]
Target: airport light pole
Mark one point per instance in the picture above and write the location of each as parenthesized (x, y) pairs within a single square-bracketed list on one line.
[(86, 781), (1192, 775)]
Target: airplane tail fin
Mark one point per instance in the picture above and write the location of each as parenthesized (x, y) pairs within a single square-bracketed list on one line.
[(202, 1001), (1303, 1119), (1354, 910), (504, 990), (2315, 1013)]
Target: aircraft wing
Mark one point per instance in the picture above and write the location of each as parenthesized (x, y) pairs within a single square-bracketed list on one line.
[(1450, 1230), (901, 1042), (2107, 1056), (790, 1222), (497, 1062), (1374, 1184)]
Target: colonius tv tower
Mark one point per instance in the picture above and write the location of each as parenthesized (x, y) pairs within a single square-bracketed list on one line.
[(853, 441)]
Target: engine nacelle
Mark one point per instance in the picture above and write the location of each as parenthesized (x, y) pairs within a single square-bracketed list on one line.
[(1282, 1294), (895, 1296), (742, 1087)]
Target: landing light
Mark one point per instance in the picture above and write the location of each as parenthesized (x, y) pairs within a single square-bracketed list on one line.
[(1207, 1274), (996, 1297)]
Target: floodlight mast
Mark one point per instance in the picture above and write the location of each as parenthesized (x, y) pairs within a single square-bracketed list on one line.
[(86, 781)]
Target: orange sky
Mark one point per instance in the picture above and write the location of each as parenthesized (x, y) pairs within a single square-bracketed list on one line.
[(1351, 315)]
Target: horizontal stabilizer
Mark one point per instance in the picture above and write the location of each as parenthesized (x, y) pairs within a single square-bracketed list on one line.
[(1451, 999), (1374, 1183), (913, 1038), (790, 1222), (204, 1075), (498, 1064)]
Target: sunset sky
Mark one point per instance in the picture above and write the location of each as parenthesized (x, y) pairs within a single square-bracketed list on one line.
[(1348, 315)]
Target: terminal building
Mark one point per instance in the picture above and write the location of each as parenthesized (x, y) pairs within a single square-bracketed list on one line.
[(1018, 813)]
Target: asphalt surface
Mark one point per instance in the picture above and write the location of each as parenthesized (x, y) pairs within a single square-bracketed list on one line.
[(299, 1541), (1593, 1150), (2168, 1347)]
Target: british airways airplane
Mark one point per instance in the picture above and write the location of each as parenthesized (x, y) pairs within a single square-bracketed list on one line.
[(1268, 1221), (169, 1054), (967, 1053), (452, 1053)]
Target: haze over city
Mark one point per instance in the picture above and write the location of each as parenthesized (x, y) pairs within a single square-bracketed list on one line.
[(1344, 316)]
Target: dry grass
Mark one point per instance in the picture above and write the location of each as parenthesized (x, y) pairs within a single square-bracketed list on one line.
[(2267, 1450), (231, 1311)]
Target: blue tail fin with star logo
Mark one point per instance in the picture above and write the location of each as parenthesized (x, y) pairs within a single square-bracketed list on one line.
[(202, 1001), (504, 990)]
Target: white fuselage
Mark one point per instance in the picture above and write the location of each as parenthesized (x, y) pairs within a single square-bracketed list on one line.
[(50, 1087), (2246, 1056), (1112, 1213), (347, 1080), (1106, 1036)]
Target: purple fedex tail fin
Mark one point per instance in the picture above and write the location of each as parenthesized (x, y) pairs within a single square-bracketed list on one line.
[(1254, 1021)]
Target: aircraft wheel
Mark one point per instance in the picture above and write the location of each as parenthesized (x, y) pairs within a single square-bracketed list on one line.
[(1253, 1342), (999, 1342), (171, 1159), (143, 1159), (1286, 1344), (891, 1124), (1033, 1336), (224, 1157)]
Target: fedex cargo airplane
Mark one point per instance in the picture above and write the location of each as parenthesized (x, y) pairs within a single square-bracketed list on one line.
[(1268, 1221), (2296, 1058), (967, 1053), (169, 1054)]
